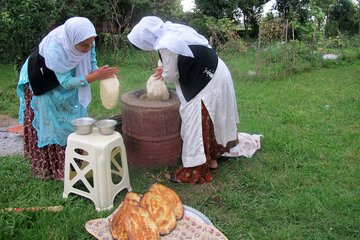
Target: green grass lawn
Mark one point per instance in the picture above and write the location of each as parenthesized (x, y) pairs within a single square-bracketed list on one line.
[(302, 184)]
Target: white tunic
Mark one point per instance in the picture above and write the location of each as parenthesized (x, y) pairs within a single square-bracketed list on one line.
[(219, 99)]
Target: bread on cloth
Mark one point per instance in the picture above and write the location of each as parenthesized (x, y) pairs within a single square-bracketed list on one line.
[(117, 222), (160, 210), (109, 92), (140, 225), (171, 197), (132, 196), (140, 217), (156, 89)]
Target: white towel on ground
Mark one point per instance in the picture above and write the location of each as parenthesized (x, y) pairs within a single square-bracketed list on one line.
[(247, 146)]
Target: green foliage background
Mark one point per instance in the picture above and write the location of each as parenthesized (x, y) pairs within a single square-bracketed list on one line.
[(25, 22)]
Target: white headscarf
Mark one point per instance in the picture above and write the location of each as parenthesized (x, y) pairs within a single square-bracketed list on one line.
[(152, 34), (58, 49)]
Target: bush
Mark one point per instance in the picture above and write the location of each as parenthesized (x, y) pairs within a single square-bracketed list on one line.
[(24, 23)]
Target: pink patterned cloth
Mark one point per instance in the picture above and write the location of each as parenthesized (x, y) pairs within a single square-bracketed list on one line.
[(48, 161), (247, 146), (186, 228)]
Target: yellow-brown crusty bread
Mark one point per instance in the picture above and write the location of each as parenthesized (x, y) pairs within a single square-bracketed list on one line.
[(169, 196), (160, 210), (117, 224), (132, 196), (140, 225)]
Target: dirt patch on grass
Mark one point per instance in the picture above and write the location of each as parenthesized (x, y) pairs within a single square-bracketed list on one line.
[(6, 121), (10, 143)]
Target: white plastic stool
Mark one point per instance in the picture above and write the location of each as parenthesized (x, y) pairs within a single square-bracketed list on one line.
[(99, 157)]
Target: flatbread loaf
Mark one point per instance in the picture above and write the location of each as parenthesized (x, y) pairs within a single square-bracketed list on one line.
[(132, 196), (156, 89), (171, 197), (160, 210), (117, 222), (109, 92), (140, 225)]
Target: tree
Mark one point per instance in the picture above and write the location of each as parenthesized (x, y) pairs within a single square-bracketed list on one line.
[(168, 9), (343, 18), (23, 24), (294, 9), (217, 8), (84, 8), (251, 10)]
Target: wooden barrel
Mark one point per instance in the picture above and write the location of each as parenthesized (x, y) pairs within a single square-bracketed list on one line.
[(151, 129)]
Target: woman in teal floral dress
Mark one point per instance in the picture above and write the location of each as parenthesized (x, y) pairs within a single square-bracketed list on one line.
[(54, 88)]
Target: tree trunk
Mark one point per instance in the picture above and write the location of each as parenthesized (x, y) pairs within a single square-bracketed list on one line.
[(286, 33), (294, 47), (246, 26), (283, 22), (342, 40), (258, 52), (324, 38), (359, 35), (122, 20), (358, 40), (313, 42)]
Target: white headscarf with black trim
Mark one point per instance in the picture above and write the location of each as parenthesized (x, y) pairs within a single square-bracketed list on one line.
[(60, 54), (152, 34)]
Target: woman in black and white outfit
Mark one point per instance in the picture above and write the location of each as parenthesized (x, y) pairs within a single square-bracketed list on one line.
[(205, 89)]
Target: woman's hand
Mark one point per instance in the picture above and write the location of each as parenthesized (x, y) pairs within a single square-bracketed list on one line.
[(102, 73), (158, 72)]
